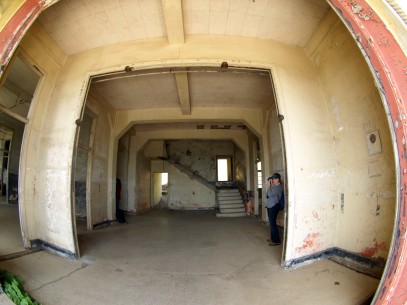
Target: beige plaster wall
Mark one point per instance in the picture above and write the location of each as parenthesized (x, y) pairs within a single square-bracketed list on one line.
[(152, 145), (366, 187), (143, 183), (99, 197), (157, 188), (122, 168), (185, 193), (311, 162), (46, 153)]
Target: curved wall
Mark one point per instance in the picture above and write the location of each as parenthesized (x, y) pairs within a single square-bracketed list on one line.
[(291, 69)]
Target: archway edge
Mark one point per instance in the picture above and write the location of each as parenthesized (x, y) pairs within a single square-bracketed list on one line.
[(389, 64), (389, 67), (17, 25)]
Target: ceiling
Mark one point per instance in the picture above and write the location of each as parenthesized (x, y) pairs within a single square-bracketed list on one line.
[(78, 25), (207, 86)]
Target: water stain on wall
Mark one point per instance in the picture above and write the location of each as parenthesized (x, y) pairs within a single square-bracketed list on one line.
[(310, 243), (372, 251)]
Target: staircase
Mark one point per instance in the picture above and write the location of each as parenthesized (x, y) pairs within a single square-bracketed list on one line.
[(230, 203), (190, 173)]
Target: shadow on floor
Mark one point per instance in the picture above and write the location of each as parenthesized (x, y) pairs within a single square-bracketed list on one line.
[(10, 232), (185, 257)]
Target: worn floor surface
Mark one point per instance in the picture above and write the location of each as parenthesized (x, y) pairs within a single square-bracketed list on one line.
[(179, 257), (10, 232)]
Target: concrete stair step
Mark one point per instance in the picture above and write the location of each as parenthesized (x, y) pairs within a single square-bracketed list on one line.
[(231, 205), (232, 210), (230, 214), (233, 201), (230, 198), (233, 191), (229, 194)]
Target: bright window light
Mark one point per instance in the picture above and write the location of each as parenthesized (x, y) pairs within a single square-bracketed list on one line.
[(164, 178), (222, 170), (259, 176)]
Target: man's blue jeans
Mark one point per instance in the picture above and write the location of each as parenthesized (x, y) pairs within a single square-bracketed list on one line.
[(272, 214)]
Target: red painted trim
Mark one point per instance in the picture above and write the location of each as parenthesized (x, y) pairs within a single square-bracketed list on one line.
[(385, 56), (390, 63), (16, 27)]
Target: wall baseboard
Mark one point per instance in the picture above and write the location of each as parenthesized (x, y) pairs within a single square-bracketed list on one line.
[(103, 224), (354, 261), (38, 243)]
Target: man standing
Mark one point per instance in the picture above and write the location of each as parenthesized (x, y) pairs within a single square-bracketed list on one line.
[(273, 195), (119, 212)]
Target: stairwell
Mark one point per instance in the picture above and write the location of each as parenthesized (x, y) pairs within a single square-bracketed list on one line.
[(190, 173), (230, 203)]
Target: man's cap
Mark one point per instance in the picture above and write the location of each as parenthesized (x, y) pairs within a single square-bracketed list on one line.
[(275, 176)]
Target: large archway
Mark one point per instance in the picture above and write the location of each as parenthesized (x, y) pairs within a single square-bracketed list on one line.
[(388, 62)]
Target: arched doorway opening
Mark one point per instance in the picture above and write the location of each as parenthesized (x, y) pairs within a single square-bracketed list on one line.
[(393, 96)]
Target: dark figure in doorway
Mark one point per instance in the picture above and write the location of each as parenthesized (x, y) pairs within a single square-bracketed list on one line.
[(273, 195), (119, 213)]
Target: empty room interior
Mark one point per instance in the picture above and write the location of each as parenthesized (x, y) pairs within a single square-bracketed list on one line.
[(190, 106)]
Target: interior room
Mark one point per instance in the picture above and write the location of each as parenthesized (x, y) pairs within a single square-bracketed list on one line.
[(192, 105)]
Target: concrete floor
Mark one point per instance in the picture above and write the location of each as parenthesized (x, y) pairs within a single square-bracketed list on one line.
[(184, 257), (10, 232)]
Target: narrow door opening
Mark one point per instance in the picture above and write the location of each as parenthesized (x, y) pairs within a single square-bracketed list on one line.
[(83, 171), (17, 91), (160, 188), (224, 168)]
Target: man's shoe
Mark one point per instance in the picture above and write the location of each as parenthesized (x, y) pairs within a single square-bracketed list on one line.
[(269, 240), (274, 244)]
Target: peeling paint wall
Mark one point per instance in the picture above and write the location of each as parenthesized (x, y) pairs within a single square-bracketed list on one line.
[(99, 196), (122, 168), (81, 164), (200, 157), (311, 164), (365, 190), (186, 193), (143, 183), (45, 212)]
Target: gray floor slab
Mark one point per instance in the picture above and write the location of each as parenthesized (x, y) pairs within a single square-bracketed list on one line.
[(185, 257)]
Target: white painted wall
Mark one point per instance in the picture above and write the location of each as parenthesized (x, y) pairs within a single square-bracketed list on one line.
[(366, 181), (101, 155)]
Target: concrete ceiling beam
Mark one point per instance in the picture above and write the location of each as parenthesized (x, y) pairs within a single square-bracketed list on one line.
[(183, 92), (173, 21)]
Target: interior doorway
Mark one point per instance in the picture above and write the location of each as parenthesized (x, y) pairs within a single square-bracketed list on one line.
[(83, 168), (17, 91), (160, 188), (6, 136)]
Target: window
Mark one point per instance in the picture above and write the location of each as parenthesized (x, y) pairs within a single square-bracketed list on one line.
[(164, 179), (18, 88), (224, 168), (259, 176)]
